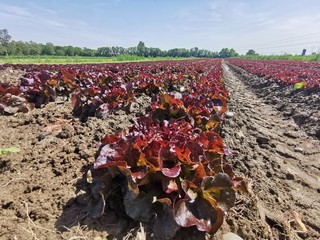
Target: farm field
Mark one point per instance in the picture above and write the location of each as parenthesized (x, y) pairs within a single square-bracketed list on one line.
[(76, 59), (252, 132)]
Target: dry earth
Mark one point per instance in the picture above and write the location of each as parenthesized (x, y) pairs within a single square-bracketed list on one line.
[(42, 193), (280, 160)]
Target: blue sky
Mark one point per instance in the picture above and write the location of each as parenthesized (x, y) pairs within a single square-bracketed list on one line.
[(268, 26)]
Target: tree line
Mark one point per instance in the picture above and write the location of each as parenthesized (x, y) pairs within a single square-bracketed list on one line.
[(14, 48)]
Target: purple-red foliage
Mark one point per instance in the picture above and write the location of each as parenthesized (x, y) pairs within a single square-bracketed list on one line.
[(287, 72)]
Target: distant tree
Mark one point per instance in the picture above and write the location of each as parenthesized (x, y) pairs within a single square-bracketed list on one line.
[(216, 54), (154, 52), (173, 52), (184, 53), (103, 52), (77, 51), (233, 53), (121, 50), (226, 52), (24, 48), (4, 39), (141, 48), (48, 49), (114, 51), (201, 53), (69, 51), (8, 47), (132, 50), (59, 50), (3, 50), (251, 52), (35, 48), (194, 52), (11, 48), (17, 48), (21, 48), (88, 52)]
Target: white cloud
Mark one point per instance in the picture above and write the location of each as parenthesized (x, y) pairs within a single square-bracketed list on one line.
[(53, 23), (15, 11)]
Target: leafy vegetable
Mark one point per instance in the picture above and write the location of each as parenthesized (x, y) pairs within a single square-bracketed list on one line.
[(4, 151), (169, 165), (298, 85)]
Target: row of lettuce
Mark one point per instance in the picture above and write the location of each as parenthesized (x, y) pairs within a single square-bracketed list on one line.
[(300, 74), (169, 167)]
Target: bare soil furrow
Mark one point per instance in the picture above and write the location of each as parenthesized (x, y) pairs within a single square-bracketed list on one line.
[(280, 161)]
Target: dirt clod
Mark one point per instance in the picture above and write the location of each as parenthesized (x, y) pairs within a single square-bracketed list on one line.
[(290, 176)]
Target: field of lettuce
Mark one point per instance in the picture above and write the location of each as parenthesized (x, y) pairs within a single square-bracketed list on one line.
[(301, 74), (160, 150)]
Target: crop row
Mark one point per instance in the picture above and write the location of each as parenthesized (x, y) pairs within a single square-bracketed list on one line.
[(168, 168), (307, 74), (90, 86)]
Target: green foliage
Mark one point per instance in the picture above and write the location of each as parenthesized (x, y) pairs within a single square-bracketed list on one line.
[(19, 48), (70, 51), (76, 59), (60, 51), (4, 151), (4, 37), (3, 50), (128, 58), (141, 49), (298, 85), (315, 57), (48, 49), (251, 52), (226, 53)]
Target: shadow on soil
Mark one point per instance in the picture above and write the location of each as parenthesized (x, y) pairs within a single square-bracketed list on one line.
[(75, 213), (118, 226)]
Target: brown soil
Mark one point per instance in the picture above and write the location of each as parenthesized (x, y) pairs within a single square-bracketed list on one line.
[(302, 106), (283, 178), (43, 194), (10, 75)]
